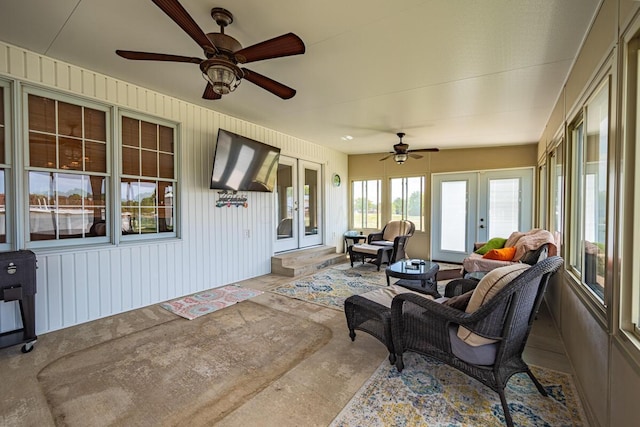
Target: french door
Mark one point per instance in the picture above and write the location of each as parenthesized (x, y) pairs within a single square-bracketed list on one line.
[(476, 206), (298, 204)]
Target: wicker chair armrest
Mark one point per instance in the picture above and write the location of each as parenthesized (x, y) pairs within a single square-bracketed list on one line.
[(486, 321), (402, 237), (432, 307), (374, 236)]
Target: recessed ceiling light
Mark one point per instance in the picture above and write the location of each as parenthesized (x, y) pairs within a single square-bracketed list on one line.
[(347, 138)]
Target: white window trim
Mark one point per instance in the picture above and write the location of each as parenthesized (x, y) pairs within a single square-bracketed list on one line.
[(9, 183), (117, 196), (76, 100)]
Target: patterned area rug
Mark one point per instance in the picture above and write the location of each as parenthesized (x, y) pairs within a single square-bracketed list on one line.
[(332, 286), (209, 301), (430, 393)]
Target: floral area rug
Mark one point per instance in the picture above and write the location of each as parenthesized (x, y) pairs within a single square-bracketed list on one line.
[(430, 393), (196, 305), (331, 286)]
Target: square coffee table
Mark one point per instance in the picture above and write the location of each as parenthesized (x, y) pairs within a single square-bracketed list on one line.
[(412, 271)]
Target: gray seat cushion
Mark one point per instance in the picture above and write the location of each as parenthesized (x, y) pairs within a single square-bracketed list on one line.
[(477, 355)]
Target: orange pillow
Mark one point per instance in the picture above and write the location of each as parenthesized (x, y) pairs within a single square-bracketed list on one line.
[(504, 254)]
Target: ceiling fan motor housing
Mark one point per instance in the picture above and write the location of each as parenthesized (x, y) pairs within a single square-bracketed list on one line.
[(225, 44)]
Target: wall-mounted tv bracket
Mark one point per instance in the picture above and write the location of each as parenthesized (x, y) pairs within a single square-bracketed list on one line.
[(231, 198)]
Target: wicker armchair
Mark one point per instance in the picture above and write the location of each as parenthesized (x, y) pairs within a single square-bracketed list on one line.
[(430, 328), (395, 234)]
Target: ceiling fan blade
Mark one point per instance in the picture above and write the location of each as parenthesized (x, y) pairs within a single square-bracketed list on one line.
[(209, 93), (284, 45), (147, 56), (180, 16), (415, 156), (386, 157), (425, 150), (278, 89)]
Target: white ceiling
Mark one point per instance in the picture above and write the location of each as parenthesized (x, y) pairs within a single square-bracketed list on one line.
[(449, 73)]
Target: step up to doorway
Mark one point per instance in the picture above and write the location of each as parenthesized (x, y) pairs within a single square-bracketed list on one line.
[(305, 261)]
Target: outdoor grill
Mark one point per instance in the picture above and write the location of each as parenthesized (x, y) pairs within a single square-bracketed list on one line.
[(18, 283)]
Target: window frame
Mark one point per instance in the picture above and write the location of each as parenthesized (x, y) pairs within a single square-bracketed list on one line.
[(557, 172), (365, 183), (575, 191), (27, 168), (628, 233), (118, 202), (7, 166), (420, 225)]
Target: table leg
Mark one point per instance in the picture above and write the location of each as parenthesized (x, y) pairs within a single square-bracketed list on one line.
[(388, 284)]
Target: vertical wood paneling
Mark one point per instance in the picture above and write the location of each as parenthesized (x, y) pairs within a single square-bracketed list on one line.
[(100, 90), (125, 277), (68, 280), (88, 84), (4, 59), (54, 286), (75, 79), (116, 281), (17, 63), (42, 298), (212, 251), (48, 73), (81, 269), (93, 285), (62, 76)]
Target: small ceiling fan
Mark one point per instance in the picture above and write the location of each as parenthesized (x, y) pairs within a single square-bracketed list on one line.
[(401, 151), (223, 53)]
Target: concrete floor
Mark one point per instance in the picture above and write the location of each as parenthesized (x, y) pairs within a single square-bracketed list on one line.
[(310, 394)]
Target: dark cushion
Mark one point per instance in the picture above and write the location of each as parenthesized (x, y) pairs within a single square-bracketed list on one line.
[(459, 302)]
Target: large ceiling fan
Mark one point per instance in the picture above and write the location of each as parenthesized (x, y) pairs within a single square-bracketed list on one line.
[(401, 151), (223, 53)]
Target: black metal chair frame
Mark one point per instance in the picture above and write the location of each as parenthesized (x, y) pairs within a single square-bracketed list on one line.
[(422, 325)]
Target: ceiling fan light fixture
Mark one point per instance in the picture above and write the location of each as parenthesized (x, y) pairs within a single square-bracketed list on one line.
[(224, 76), (400, 158)]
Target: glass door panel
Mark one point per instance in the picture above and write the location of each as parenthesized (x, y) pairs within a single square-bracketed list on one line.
[(454, 216), (298, 204), (286, 205), (504, 207), (310, 215), (505, 203)]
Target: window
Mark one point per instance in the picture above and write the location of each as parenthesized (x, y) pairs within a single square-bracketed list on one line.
[(365, 196), (148, 180), (4, 162), (589, 145), (407, 200), (542, 197), (66, 163), (556, 191), (630, 230)]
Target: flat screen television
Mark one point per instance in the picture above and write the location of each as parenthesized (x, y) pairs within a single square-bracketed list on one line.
[(243, 164)]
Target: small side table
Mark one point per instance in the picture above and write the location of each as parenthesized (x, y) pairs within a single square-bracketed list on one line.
[(353, 239), (425, 272)]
